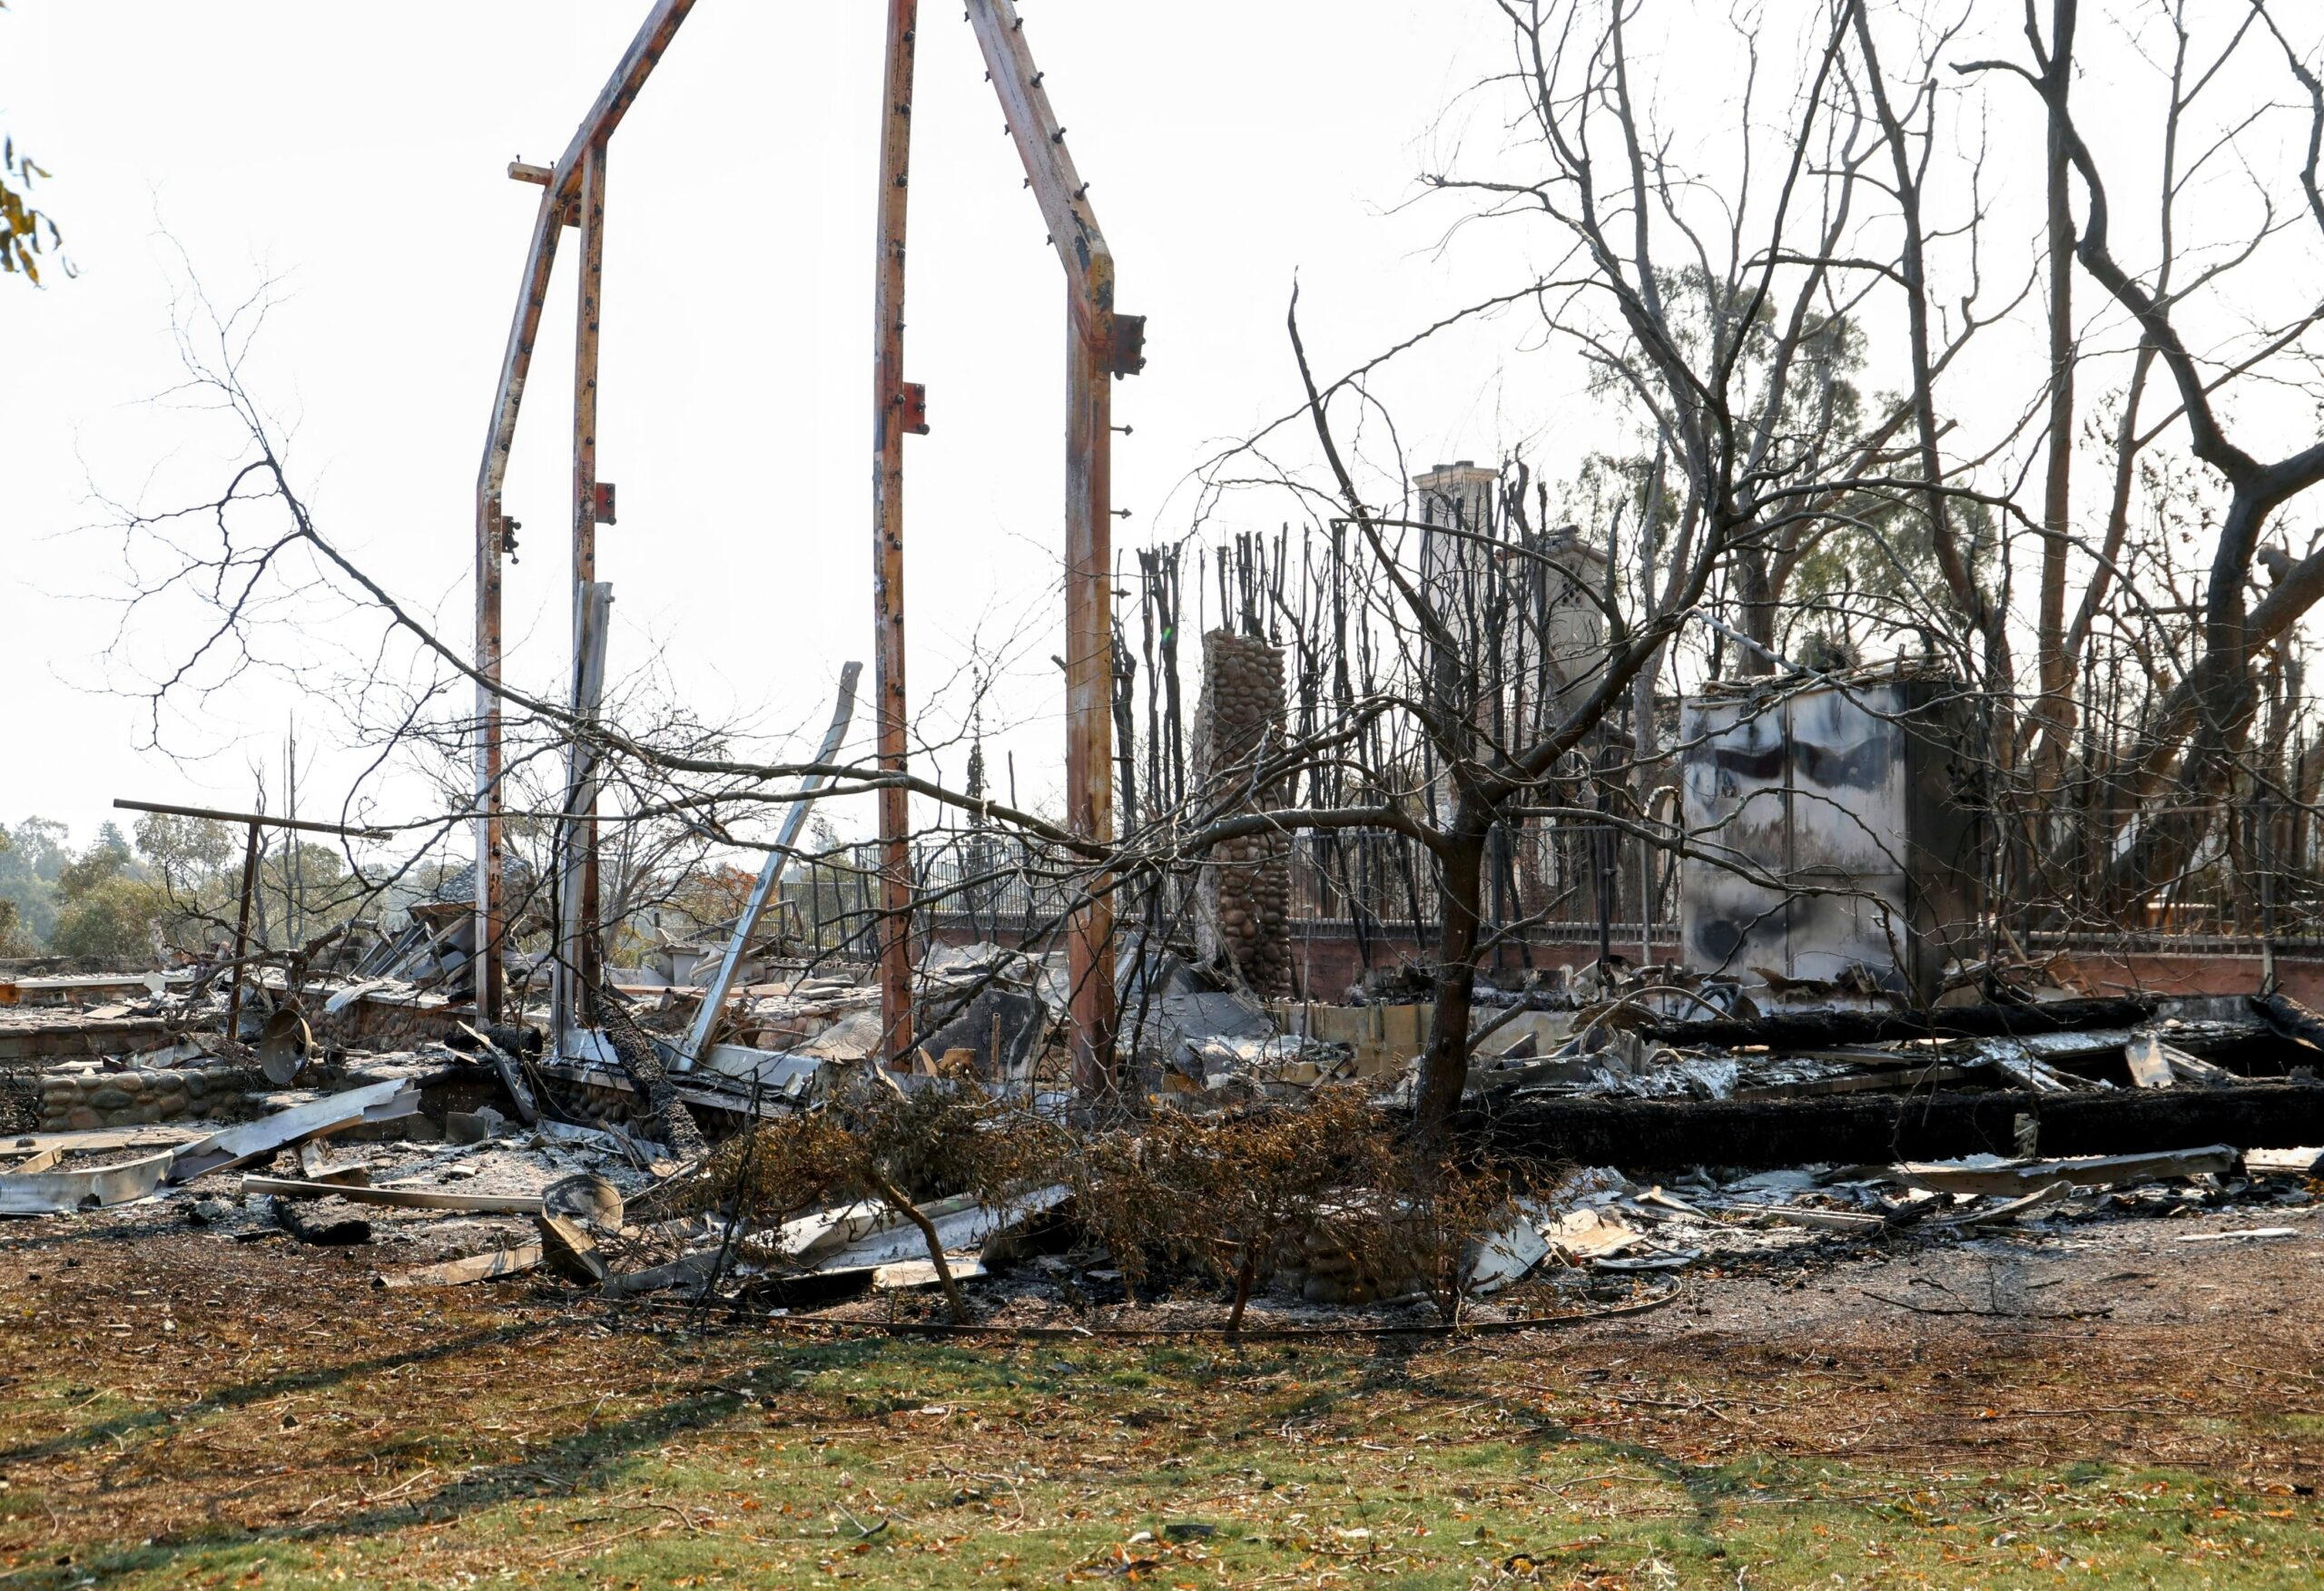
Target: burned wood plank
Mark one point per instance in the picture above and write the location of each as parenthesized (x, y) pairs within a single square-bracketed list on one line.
[(349, 1232), (484, 1267), (1799, 1029), (1887, 1078), (1647, 1134), (2290, 1019), (2104, 1171), (694, 1270), (400, 1198), (316, 1168), (1995, 1215), (568, 1250), (1814, 1219)]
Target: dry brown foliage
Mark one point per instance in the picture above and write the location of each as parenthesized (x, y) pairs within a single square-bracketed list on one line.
[(779, 1170), (873, 1141), (1225, 1192), (1438, 1209), (1233, 1194)]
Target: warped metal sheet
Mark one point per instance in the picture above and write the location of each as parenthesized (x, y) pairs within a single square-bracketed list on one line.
[(379, 1102), (55, 1193)]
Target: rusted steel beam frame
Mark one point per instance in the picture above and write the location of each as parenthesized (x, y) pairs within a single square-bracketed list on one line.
[(242, 931), (259, 819), (490, 909), (592, 611), (516, 364), (574, 987), (1090, 676), (1034, 128), (1095, 349), (557, 196), (888, 424)]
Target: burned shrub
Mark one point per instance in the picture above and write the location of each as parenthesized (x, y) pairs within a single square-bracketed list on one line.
[(871, 1140), (1438, 1209), (1229, 1191), (1333, 1187)]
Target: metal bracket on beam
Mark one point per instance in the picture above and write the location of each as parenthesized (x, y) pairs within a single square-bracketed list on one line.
[(541, 177), (914, 399), (602, 503), (1127, 357)]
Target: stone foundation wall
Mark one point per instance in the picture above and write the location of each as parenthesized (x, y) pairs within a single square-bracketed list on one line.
[(603, 1102), (80, 1102), (1244, 895), (612, 1104)]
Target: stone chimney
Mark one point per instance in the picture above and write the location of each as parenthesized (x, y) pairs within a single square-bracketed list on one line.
[(1243, 894), (1459, 497)]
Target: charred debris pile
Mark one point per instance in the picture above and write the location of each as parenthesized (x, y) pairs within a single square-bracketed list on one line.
[(1619, 1127), (1848, 1047)]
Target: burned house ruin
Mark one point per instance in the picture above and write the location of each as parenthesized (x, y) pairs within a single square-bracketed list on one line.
[(1830, 830)]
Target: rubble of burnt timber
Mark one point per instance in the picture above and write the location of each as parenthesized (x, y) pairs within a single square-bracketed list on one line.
[(1638, 1139), (1824, 1037), (1717, 773), (1848, 1052)]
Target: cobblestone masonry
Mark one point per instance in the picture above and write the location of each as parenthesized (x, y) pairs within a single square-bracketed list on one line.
[(73, 1101), (1244, 895)]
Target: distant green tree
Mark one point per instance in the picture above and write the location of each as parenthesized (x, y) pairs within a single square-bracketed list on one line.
[(13, 939), (107, 857), (43, 842), (30, 863), (113, 918), (26, 232), (107, 905), (196, 864), (186, 853)]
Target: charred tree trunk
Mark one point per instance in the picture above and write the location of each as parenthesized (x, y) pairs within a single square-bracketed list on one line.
[(1444, 1068), (1756, 600)]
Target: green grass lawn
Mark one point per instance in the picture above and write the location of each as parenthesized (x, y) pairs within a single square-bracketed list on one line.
[(554, 1450), (473, 1442)]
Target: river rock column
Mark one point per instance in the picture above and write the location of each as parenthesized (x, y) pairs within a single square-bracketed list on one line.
[(1243, 895)]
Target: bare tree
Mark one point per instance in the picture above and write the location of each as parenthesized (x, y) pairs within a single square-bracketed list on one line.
[(1774, 303), (2203, 723), (1720, 325)]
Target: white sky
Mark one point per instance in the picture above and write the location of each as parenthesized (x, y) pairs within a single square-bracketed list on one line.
[(357, 156)]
